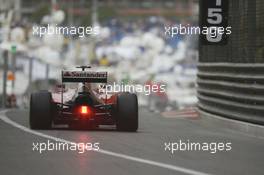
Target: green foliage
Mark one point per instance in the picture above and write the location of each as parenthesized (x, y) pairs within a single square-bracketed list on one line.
[(39, 13), (105, 13), (86, 20)]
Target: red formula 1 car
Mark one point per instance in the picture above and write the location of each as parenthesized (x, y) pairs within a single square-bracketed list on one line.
[(84, 108)]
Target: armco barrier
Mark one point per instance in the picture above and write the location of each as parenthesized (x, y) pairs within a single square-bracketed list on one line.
[(231, 67), (233, 90)]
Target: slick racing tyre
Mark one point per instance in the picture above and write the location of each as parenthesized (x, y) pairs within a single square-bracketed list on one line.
[(127, 112), (40, 110)]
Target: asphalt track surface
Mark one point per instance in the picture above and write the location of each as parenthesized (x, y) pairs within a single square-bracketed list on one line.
[(128, 153)]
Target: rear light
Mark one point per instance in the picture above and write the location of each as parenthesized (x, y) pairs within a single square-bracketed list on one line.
[(85, 110)]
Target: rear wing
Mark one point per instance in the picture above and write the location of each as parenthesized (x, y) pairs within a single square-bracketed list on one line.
[(84, 76)]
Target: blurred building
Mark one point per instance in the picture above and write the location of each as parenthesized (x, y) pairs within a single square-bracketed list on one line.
[(32, 9), (6, 5)]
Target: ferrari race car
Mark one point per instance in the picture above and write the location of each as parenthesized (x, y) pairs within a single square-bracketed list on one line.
[(84, 109)]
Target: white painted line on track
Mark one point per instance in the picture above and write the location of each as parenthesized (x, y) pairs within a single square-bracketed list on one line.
[(127, 157)]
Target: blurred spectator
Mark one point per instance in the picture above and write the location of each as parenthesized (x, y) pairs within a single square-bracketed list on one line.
[(104, 61)]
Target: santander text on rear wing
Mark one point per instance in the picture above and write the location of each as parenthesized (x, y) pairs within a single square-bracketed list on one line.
[(84, 76)]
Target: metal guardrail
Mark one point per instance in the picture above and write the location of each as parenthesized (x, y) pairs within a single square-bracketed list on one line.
[(233, 90), (231, 74)]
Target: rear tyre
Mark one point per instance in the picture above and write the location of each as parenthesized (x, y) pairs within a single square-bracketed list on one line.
[(40, 110), (127, 112)]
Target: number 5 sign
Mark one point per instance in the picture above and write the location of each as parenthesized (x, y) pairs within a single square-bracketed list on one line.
[(214, 19)]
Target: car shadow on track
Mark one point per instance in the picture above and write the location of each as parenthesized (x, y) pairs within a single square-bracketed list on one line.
[(109, 129)]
